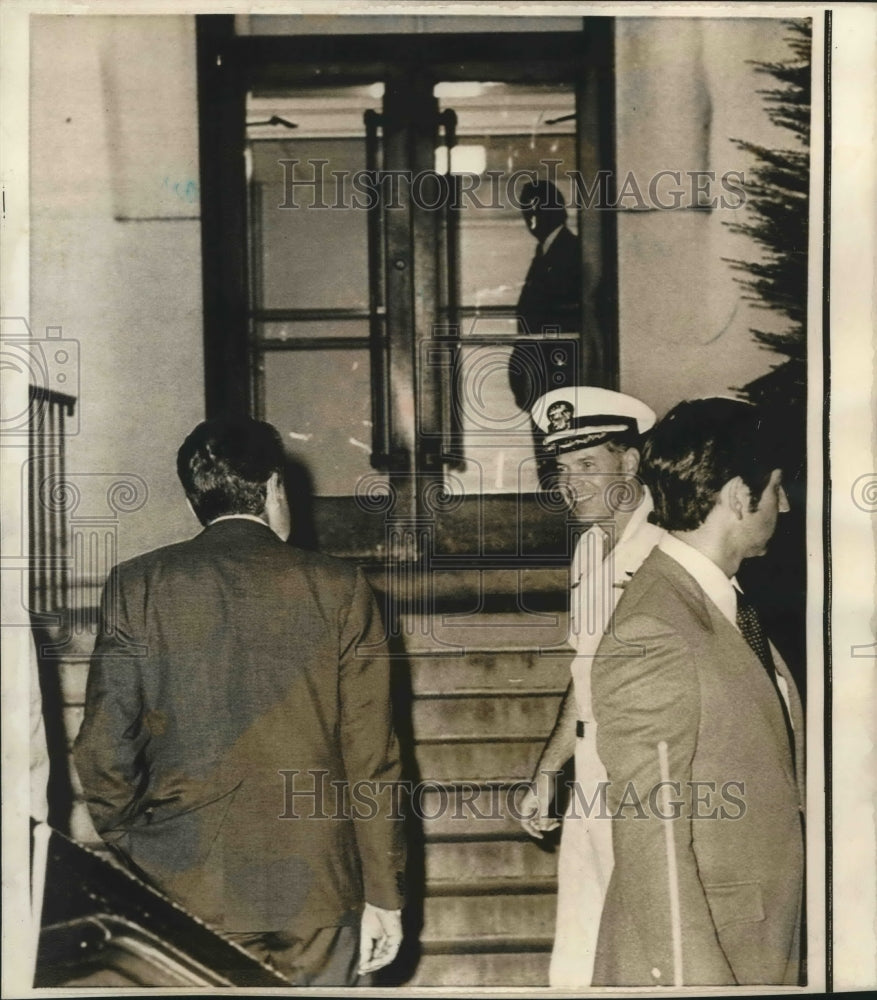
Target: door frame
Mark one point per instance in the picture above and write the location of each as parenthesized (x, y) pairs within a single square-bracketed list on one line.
[(229, 64)]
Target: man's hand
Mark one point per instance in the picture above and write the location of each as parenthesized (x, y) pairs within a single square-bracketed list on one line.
[(379, 938), (535, 806)]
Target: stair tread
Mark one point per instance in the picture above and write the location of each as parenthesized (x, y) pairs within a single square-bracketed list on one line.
[(483, 717), (475, 761), (482, 969), (499, 631), (492, 886), (546, 692), (479, 867), (489, 673), (478, 837), (487, 944), (493, 915), (449, 739)]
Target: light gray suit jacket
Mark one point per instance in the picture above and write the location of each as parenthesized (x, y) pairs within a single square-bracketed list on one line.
[(674, 669)]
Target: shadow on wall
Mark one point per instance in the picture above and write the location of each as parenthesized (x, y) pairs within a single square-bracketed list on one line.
[(401, 692), (59, 786), (300, 493)]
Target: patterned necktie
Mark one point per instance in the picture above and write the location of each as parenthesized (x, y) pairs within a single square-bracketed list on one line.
[(750, 628)]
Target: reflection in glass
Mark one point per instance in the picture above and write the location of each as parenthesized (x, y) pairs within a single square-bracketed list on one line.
[(511, 123), (511, 285)]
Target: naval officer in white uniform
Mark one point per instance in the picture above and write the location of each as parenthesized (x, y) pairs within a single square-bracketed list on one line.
[(596, 434)]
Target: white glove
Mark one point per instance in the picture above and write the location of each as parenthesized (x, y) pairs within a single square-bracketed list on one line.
[(535, 805), (379, 938)]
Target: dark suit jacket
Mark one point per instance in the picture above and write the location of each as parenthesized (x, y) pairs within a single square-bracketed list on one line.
[(550, 299), (675, 669), (231, 670)]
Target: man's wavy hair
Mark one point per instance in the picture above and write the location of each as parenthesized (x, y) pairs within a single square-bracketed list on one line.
[(699, 446), (544, 197), (225, 464)]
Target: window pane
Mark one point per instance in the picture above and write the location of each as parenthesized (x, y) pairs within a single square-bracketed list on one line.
[(497, 439), (307, 150), (313, 249), (301, 329), (319, 400), (492, 327), (520, 128)]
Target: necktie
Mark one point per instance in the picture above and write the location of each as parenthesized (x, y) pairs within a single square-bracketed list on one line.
[(750, 628)]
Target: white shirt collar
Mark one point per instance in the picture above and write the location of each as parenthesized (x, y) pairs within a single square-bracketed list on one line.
[(717, 587), (639, 517), (240, 517)]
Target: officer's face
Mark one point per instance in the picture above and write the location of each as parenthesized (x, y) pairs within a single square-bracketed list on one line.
[(601, 481)]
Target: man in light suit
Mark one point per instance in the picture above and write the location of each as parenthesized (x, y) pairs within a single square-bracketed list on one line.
[(596, 435), (700, 727), (238, 687)]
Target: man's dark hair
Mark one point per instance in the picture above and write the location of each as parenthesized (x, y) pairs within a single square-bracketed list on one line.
[(225, 464), (699, 446), (546, 195), (624, 440)]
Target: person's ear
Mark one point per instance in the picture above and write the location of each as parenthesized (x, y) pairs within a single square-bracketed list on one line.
[(277, 506), (275, 489), (630, 461), (735, 496)]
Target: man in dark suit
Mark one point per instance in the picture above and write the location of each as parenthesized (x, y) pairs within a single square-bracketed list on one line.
[(551, 294), (549, 306), (700, 727), (237, 710)]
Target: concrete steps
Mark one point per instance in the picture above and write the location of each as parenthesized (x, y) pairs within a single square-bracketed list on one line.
[(489, 918), (514, 861), (461, 760), (519, 967), (483, 715), (486, 685), (450, 634), (492, 673), (471, 811)]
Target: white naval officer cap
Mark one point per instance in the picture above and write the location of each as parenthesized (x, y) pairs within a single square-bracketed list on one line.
[(584, 416)]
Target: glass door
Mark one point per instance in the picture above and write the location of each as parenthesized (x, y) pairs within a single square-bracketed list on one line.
[(343, 277), (390, 259)]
